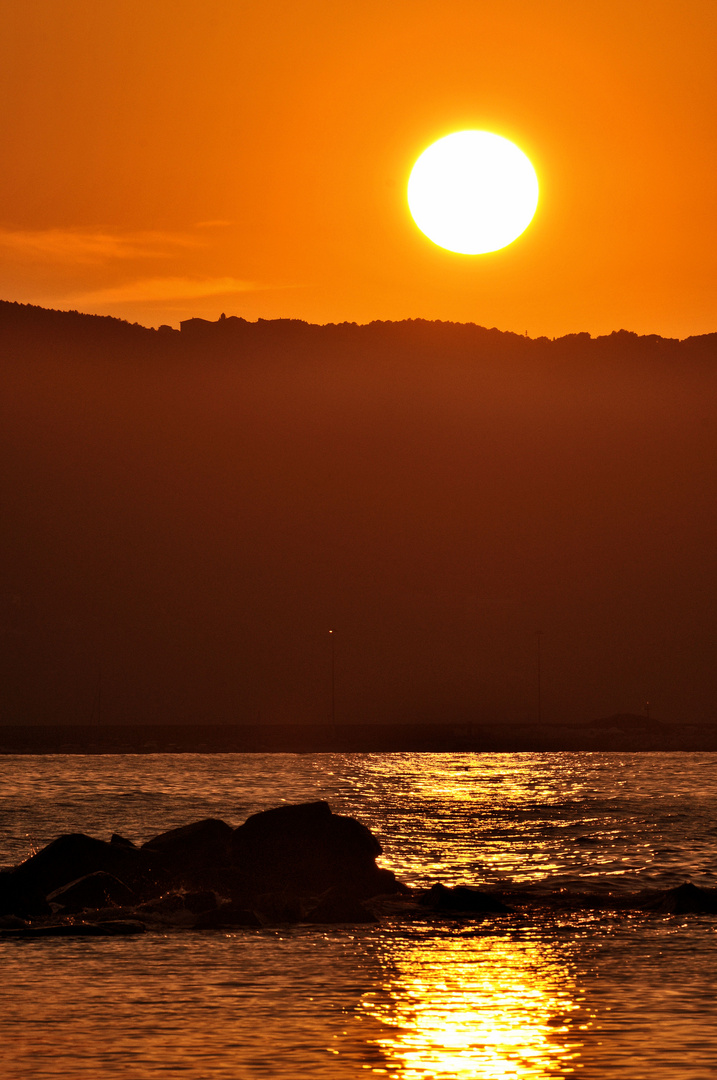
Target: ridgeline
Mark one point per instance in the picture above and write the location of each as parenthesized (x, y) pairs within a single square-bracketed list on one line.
[(504, 533)]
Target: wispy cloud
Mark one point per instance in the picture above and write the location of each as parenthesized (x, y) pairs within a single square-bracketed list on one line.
[(111, 255), (154, 290), (78, 246), (218, 223)]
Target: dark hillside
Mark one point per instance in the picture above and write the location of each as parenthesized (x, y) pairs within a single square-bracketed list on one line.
[(185, 515)]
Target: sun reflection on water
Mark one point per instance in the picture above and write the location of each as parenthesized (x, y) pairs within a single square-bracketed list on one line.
[(459, 1006), (508, 820)]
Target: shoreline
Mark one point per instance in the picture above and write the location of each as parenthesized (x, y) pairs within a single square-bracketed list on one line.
[(625, 736)]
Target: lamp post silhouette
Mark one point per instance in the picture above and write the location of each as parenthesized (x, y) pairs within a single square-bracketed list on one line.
[(333, 678), (99, 694), (538, 635)]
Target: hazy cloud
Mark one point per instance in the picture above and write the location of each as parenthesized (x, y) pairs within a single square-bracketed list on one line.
[(219, 223), (79, 246), (152, 290)]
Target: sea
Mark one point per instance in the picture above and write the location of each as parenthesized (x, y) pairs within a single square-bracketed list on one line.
[(540, 992)]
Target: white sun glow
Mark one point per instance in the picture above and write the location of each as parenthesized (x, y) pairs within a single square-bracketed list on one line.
[(473, 192)]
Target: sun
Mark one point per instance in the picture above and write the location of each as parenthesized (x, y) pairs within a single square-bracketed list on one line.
[(473, 192)]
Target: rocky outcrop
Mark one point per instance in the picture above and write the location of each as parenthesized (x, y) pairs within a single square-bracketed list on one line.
[(21, 898), (98, 890), (338, 906), (307, 850), (289, 864), (76, 856), (201, 844), (187, 853), (461, 900), (227, 916), (684, 899)]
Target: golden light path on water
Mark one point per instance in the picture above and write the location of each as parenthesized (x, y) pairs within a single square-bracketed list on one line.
[(540, 992), (454, 803), (479, 1007)]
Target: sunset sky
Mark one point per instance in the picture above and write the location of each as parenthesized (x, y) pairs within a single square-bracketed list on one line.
[(172, 158)]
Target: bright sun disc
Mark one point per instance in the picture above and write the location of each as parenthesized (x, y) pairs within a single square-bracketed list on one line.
[(473, 192)]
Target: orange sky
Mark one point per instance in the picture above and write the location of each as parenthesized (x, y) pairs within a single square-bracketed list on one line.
[(168, 158)]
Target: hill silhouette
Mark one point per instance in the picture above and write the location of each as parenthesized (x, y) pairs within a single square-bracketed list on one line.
[(187, 513)]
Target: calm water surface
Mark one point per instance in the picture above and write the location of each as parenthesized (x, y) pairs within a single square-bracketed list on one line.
[(521, 996)]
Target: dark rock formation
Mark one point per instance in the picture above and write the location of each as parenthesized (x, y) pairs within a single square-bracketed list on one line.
[(21, 898), (192, 848), (122, 840), (76, 856), (337, 906), (199, 902), (461, 900), (228, 882), (281, 907), (93, 891), (292, 864), (685, 899), (305, 849), (227, 915), (12, 922), (169, 904), (283, 865)]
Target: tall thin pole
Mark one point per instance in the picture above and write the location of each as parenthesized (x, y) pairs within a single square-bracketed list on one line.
[(97, 699), (333, 679), (538, 635)]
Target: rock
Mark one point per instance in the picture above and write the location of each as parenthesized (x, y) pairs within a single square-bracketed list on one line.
[(339, 907), (93, 891), (687, 898), (199, 902), (386, 883), (461, 900), (397, 906), (121, 840), (227, 915), (230, 883), (76, 856), (21, 898), (167, 910), (280, 863), (304, 849), (168, 904), (279, 907), (11, 922), (189, 850)]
